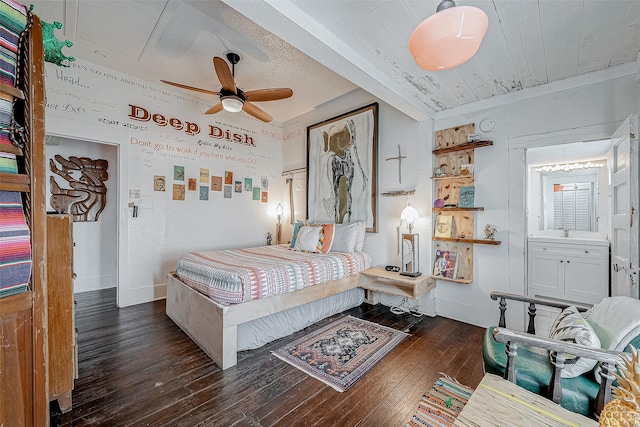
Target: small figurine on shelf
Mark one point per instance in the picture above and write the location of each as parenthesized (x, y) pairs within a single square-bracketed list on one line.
[(269, 238), (489, 232), (438, 172)]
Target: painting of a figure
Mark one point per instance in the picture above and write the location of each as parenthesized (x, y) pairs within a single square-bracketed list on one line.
[(341, 168)]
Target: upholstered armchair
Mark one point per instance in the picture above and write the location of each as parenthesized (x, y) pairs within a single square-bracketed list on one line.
[(577, 375)]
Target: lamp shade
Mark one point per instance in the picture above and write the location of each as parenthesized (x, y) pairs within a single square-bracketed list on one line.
[(232, 103), (409, 214), (448, 38), (279, 209)]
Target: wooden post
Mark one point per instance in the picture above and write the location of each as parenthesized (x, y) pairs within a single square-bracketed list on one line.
[(555, 384), (531, 329), (604, 392), (510, 369)]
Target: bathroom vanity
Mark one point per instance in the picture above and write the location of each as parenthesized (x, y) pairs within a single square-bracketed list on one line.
[(575, 269)]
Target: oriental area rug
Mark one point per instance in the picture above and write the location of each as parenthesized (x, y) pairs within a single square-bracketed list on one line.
[(342, 352), (441, 405)]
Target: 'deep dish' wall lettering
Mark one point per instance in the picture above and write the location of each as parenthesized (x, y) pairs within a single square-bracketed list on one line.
[(190, 128)]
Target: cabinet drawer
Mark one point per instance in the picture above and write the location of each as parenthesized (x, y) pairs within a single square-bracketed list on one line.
[(585, 251)]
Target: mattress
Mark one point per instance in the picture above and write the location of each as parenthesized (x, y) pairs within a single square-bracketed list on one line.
[(234, 276)]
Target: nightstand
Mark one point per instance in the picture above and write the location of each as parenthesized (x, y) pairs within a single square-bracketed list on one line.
[(387, 282)]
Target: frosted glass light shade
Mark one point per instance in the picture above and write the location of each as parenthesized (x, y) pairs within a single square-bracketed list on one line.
[(409, 214), (448, 38), (232, 104)]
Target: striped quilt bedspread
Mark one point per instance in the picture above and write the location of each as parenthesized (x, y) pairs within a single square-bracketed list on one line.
[(240, 275)]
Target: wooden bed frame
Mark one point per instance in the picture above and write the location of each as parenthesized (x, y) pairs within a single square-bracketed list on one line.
[(214, 327)]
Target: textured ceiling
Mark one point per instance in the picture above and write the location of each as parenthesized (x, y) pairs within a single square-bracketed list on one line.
[(323, 49)]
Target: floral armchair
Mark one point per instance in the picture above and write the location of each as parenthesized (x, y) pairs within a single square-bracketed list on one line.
[(573, 367)]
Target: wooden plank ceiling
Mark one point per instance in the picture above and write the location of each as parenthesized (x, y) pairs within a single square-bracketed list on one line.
[(323, 49)]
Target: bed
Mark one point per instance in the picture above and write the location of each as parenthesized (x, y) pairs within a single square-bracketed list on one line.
[(233, 300)]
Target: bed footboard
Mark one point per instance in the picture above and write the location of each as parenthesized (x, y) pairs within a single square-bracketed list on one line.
[(203, 320), (214, 327)]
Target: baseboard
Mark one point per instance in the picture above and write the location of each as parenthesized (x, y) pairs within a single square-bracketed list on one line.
[(127, 297)]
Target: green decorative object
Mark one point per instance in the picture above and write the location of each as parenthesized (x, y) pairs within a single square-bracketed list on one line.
[(53, 46)]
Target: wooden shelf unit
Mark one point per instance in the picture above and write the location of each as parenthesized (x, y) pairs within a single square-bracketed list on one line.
[(452, 150), (23, 317)]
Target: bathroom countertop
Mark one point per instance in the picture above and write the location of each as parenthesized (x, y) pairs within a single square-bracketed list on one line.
[(600, 241)]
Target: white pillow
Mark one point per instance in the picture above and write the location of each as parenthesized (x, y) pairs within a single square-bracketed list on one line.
[(362, 230), (570, 326), (307, 239), (344, 238)]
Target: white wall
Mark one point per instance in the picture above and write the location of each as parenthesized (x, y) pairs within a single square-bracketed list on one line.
[(415, 140), (92, 103), (96, 242), (579, 114)]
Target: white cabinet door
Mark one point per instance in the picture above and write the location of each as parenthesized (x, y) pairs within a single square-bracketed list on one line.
[(586, 279), (546, 275)]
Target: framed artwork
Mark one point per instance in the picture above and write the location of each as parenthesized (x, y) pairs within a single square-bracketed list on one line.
[(228, 177), (204, 192), (256, 193), (178, 191), (238, 186), (178, 173), (248, 184), (227, 191), (216, 183), (192, 184), (158, 183), (342, 168), (265, 196), (204, 175)]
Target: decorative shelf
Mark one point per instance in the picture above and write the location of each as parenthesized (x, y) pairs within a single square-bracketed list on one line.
[(438, 178), (456, 209), (465, 281), (461, 147), (468, 240), (398, 193)]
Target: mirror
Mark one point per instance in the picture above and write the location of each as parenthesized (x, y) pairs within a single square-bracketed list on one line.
[(565, 192), (410, 255)]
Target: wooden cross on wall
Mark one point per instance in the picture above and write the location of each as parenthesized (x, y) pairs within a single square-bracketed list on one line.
[(399, 159)]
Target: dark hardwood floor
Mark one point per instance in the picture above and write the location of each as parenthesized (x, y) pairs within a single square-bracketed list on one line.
[(136, 367)]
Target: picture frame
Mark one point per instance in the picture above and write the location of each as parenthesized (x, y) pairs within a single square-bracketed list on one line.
[(343, 150)]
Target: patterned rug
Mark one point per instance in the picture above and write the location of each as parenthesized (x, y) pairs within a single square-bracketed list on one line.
[(342, 352), (441, 405)]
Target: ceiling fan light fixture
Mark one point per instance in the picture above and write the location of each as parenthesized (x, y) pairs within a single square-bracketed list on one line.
[(448, 38), (232, 103)]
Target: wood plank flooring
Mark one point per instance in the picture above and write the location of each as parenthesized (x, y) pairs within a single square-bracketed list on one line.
[(137, 368)]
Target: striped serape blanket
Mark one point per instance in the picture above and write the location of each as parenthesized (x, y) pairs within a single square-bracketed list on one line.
[(239, 275), (441, 405), (15, 244)]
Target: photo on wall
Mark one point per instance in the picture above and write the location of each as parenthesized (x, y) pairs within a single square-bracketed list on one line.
[(204, 175), (256, 193), (193, 184), (227, 191), (342, 168), (216, 183), (228, 177), (265, 197), (248, 184), (238, 186), (265, 183), (178, 173), (178, 191), (159, 183), (204, 192)]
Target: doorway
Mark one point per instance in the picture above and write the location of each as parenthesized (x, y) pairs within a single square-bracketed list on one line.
[(95, 242)]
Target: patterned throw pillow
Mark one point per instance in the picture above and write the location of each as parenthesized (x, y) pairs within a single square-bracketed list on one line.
[(570, 326), (326, 238), (307, 238)]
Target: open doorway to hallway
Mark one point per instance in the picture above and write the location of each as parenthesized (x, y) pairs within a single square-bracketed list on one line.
[(95, 261)]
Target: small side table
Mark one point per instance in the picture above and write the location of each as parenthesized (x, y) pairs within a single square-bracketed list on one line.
[(380, 280)]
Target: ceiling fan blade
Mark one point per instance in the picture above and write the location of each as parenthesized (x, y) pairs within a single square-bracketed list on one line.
[(197, 89), (224, 74), (215, 109), (256, 112), (268, 94)]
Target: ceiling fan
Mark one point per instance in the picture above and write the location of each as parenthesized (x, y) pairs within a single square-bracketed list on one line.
[(234, 99)]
